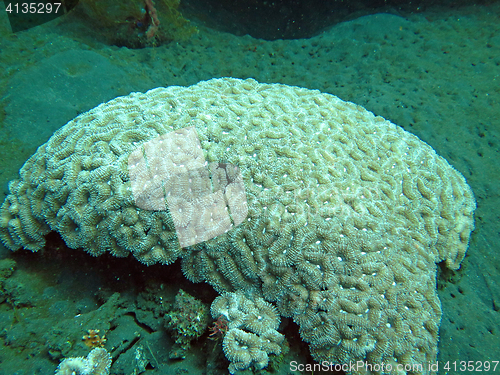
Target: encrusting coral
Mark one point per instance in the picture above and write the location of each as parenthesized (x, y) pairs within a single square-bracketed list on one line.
[(251, 334), (97, 362), (348, 214), (187, 320)]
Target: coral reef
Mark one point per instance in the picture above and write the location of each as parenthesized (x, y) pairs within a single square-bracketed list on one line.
[(187, 320), (97, 362), (348, 214), (252, 334)]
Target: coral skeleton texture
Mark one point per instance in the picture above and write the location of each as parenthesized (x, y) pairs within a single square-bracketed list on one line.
[(348, 214)]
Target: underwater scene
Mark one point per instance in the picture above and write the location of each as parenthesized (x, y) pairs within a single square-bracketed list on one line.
[(249, 187)]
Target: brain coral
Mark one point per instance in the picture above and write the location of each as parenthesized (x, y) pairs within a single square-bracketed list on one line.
[(348, 214), (252, 330)]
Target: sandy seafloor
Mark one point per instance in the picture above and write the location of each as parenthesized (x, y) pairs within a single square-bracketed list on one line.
[(435, 73)]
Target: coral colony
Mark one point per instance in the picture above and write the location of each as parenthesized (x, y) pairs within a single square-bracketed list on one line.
[(289, 202), (97, 362), (187, 321), (93, 340)]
